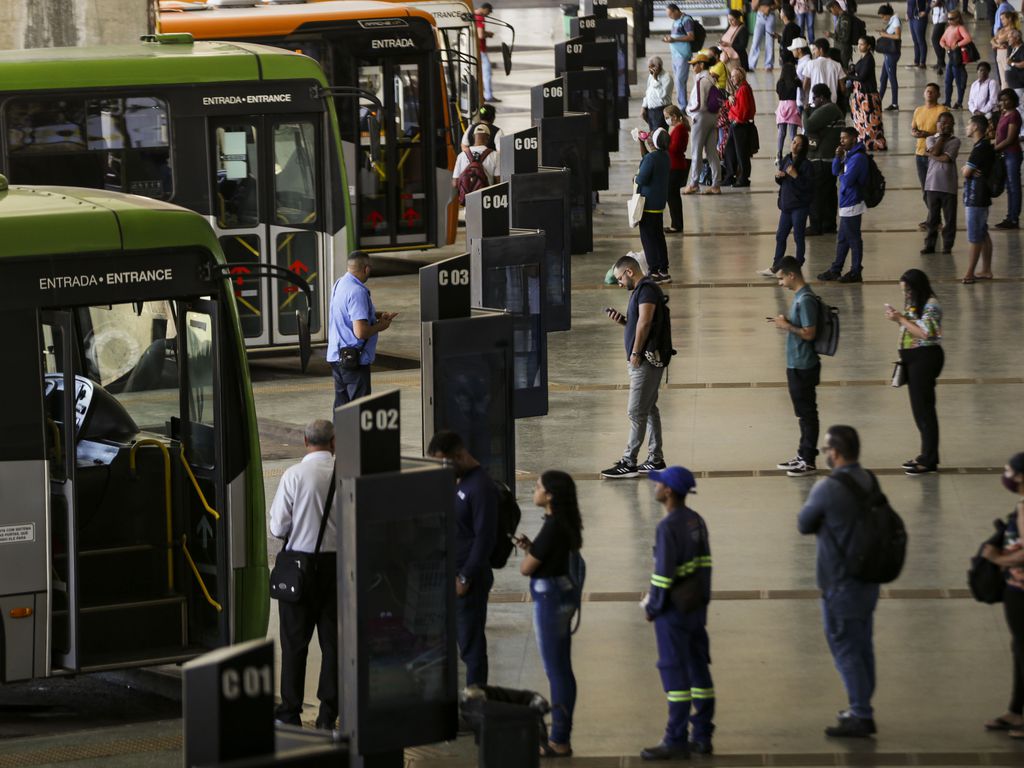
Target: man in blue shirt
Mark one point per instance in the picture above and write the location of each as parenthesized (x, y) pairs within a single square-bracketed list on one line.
[(848, 605), (851, 166), (803, 367), (352, 331), (680, 43), (476, 528), (677, 606)]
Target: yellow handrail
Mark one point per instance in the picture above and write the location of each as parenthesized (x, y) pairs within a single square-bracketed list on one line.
[(195, 572), (167, 499), (195, 484)]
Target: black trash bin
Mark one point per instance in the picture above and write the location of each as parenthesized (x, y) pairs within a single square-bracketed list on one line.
[(508, 725)]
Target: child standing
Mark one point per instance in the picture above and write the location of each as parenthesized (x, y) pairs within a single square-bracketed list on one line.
[(787, 115)]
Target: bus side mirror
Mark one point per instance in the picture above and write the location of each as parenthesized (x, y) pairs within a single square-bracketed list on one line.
[(305, 343), (373, 129), (506, 58)]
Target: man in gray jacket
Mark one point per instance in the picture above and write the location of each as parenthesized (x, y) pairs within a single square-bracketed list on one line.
[(848, 605)]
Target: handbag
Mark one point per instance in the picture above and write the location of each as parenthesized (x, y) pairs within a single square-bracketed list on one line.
[(899, 374), (293, 571), (887, 46), (969, 53), (985, 578), (635, 208), (349, 357)]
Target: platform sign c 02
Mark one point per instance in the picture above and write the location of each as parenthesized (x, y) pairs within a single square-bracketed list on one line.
[(368, 428)]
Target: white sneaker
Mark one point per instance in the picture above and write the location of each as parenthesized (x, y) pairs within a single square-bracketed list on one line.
[(766, 272), (803, 468), (794, 462)]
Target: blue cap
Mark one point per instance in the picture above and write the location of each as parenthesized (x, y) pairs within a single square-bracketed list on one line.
[(679, 479)]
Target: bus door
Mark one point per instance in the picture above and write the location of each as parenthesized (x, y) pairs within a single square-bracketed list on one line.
[(268, 202), (138, 500), (395, 194)]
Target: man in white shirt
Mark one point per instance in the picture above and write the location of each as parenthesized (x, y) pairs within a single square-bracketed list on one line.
[(824, 69), (295, 516), (658, 95), (482, 154), (984, 98), (801, 51)]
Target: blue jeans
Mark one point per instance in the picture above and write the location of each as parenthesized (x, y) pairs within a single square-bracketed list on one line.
[(795, 221), (485, 73), (470, 620), (681, 74), (763, 27), (849, 240), (918, 30), (350, 384), (552, 614), (849, 627), (806, 24), (1012, 186), (955, 71), (889, 78)]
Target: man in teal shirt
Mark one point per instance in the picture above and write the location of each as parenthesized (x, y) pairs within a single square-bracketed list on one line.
[(803, 367), (680, 42)]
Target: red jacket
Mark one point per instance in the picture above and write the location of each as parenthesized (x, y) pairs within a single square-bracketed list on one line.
[(678, 138), (742, 110)]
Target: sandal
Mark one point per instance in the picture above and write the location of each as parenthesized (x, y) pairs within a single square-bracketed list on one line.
[(1002, 724), (547, 750), (983, 277), (968, 280)]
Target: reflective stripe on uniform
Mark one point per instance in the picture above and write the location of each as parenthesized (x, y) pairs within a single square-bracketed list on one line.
[(703, 693), (691, 566), (678, 696), (664, 582)]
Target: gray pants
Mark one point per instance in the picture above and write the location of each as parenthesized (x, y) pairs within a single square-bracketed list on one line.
[(643, 412), (704, 142)]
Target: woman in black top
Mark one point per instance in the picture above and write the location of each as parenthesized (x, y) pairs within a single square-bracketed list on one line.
[(790, 32), (554, 597), (865, 103)]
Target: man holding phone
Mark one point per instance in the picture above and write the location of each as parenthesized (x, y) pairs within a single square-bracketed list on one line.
[(803, 366), (644, 378)]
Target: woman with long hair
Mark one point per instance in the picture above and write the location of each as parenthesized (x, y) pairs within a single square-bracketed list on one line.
[(734, 39), (865, 103), (921, 354), (1001, 43), (893, 32), (554, 597), (795, 178), (679, 168), (954, 40), (787, 114)]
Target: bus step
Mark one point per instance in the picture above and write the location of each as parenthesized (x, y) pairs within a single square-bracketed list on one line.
[(129, 628), (123, 574)]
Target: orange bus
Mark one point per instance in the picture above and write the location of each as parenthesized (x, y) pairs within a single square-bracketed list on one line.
[(403, 200)]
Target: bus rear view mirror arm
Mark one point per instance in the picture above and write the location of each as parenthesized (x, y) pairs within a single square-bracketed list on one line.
[(372, 116)]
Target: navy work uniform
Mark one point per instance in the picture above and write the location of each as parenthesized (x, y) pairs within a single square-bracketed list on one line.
[(682, 550)]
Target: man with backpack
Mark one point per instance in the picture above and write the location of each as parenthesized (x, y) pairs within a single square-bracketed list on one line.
[(803, 366), (646, 325), (477, 166), (476, 532), (682, 42), (702, 108), (833, 512), (677, 605), (851, 166), (484, 116)]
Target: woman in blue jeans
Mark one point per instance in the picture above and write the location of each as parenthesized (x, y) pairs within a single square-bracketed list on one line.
[(554, 598)]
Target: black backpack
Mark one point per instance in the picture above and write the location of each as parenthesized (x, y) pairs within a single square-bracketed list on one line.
[(878, 545), (826, 336), (985, 578), (699, 35), (997, 176), (874, 187), (658, 350), (509, 516), (858, 29), (578, 577)]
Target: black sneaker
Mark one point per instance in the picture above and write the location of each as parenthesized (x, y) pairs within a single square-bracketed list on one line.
[(650, 466), (620, 470), (1007, 224), (829, 275), (869, 722), (851, 728), (665, 751), (796, 461), (925, 251), (802, 469), (920, 469), (909, 464), (665, 278), (851, 277), (700, 748)]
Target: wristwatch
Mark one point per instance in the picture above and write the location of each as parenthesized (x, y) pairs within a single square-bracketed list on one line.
[(463, 580)]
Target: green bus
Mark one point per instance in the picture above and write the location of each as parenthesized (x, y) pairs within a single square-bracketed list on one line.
[(245, 135), (132, 514)]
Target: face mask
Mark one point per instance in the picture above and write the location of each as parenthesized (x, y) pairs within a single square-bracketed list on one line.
[(828, 460), (1011, 485)]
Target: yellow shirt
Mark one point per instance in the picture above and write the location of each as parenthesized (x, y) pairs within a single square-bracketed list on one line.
[(720, 73), (927, 119)]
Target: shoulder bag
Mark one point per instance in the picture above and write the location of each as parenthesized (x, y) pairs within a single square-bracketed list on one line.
[(635, 207), (293, 571)]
